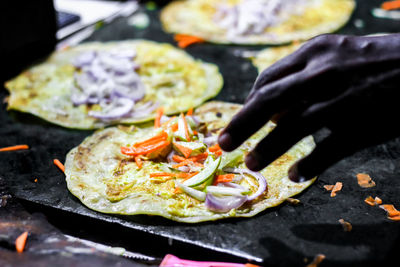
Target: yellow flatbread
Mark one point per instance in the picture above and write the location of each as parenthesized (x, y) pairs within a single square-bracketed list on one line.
[(171, 77), (108, 181), (297, 20)]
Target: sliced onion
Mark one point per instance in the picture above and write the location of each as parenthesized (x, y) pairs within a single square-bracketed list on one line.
[(232, 185), (84, 59), (145, 110), (135, 92), (114, 110), (210, 140), (224, 204), (262, 182)]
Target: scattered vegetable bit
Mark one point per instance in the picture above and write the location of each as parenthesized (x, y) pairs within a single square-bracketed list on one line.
[(14, 148), (179, 175), (185, 40), (190, 112), (20, 242), (293, 201), (373, 202), (185, 150), (317, 260), (394, 218), (224, 178), (36, 180), (214, 148), (347, 227), (390, 209), (59, 165), (329, 187), (378, 200), (390, 5), (159, 113), (138, 161), (338, 186), (365, 181), (187, 135), (177, 190)]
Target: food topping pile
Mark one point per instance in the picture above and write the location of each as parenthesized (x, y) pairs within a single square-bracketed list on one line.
[(254, 16), (199, 167), (109, 78)]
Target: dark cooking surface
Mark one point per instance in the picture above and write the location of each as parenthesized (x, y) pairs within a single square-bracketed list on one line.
[(284, 235)]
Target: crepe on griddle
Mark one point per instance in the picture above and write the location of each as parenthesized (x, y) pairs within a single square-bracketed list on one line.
[(258, 22), (171, 78), (108, 181)]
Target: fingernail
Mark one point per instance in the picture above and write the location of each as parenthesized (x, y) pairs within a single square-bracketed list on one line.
[(252, 162), (225, 140)]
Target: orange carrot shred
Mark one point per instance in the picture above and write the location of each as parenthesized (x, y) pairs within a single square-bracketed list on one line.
[(328, 187), (185, 150), (185, 125), (394, 218), (214, 148), (14, 148), (185, 40), (317, 260), (178, 158), (390, 5), (347, 227), (390, 209), (224, 178), (138, 161), (59, 165), (336, 188), (364, 180), (370, 201), (36, 180), (177, 190), (378, 200), (20, 242), (157, 121), (189, 112)]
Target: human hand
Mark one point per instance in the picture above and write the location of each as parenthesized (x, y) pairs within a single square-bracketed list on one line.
[(348, 84)]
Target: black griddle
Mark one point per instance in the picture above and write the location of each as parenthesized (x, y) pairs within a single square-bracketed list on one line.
[(286, 235)]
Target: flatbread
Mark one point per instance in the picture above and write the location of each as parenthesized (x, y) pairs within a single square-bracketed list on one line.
[(107, 181), (172, 78), (269, 56), (197, 17)]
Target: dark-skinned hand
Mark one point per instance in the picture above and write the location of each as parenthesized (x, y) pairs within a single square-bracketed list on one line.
[(349, 85)]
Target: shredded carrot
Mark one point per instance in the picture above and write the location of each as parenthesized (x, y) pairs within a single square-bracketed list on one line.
[(162, 135), (218, 153), (317, 260), (185, 40), (224, 178), (390, 209), (336, 188), (185, 125), (251, 265), (347, 227), (185, 150), (189, 112), (187, 162), (365, 181), (14, 148), (165, 124), (59, 165), (328, 187), (378, 200), (390, 5), (36, 180), (143, 150), (394, 218), (370, 201), (160, 112), (20, 242), (214, 148), (170, 174), (174, 127), (139, 162), (177, 190), (178, 158)]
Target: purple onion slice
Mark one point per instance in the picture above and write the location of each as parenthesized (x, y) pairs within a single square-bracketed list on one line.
[(224, 204), (262, 182), (118, 108), (84, 59)]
